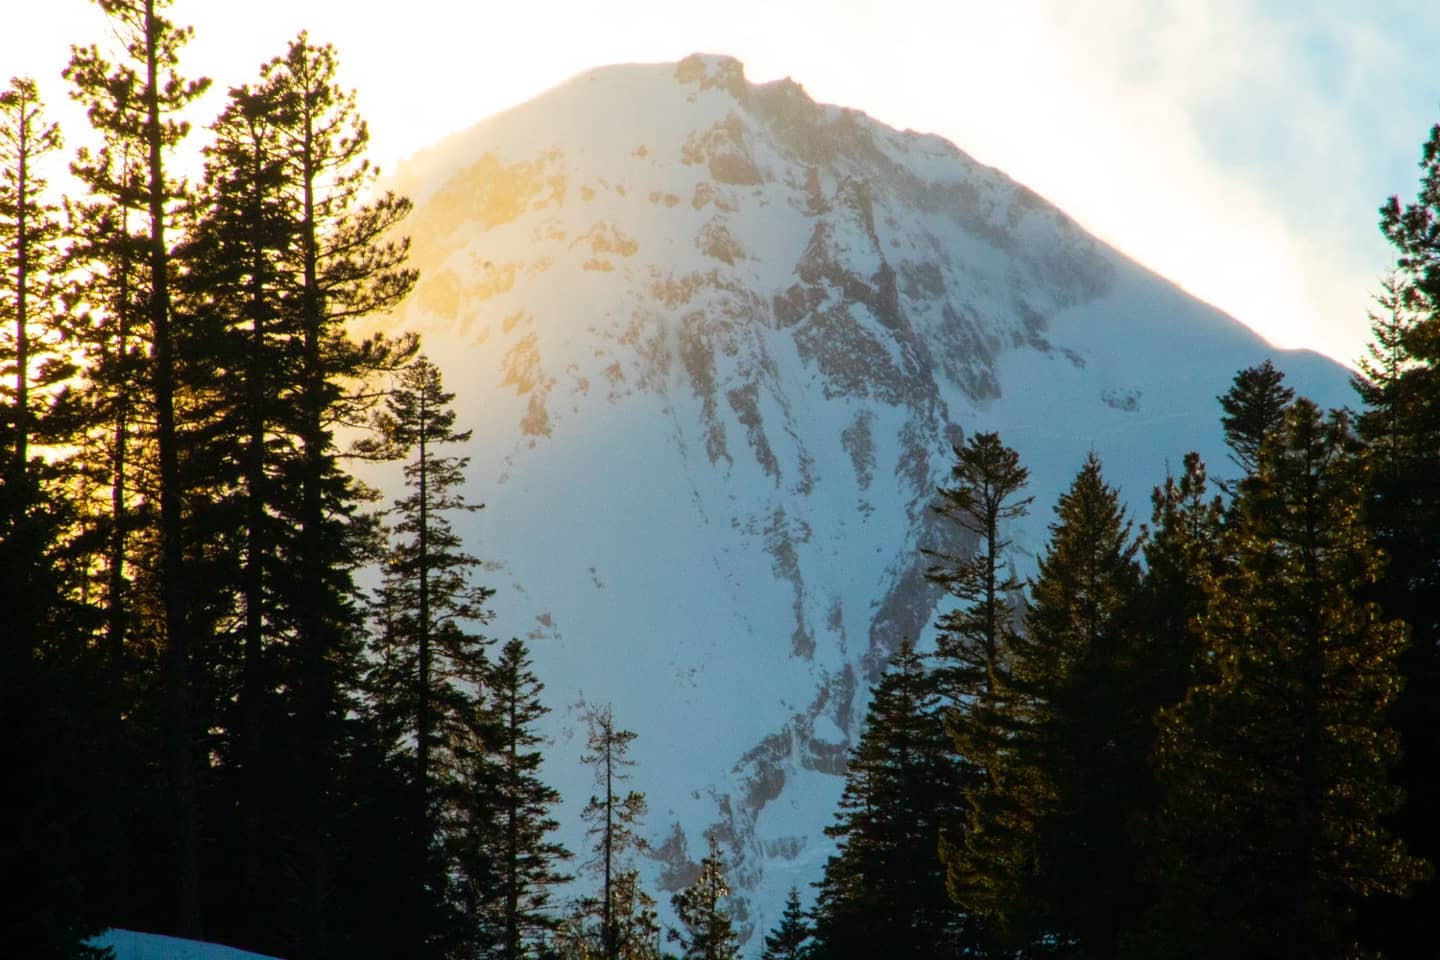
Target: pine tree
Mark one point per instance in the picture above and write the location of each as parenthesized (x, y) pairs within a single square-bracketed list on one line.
[(1253, 409), (707, 932), (580, 935), (135, 103), (239, 275), (56, 810), (975, 639), (29, 266), (428, 577), (31, 364), (1181, 553), (525, 862), (1401, 424), (1277, 768), (633, 914), (883, 892), (1048, 857), (1380, 382), (614, 820), (790, 940), (107, 308), (342, 266), (431, 663), (53, 804)]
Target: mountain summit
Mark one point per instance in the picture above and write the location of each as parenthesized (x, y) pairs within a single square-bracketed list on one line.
[(715, 341)]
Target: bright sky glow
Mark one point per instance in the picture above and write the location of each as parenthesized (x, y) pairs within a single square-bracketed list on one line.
[(1239, 147)]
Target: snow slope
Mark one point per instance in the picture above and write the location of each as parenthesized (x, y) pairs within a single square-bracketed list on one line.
[(715, 341), (129, 945)]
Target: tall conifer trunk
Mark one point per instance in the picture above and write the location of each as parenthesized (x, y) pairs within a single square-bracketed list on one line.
[(177, 646), (22, 302), (316, 642), (115, 613), (423, 720), (253, 574), (611, 948)]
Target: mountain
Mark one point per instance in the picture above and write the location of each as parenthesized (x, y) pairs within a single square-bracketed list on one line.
[(715, 341)]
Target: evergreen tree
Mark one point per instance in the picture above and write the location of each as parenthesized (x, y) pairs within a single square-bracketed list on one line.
[(135, 103), (53, 802), (1400, 388), (282, 256), (883, 892), (975, 639), (790, 940), (525, 862), (29, 256), (430, 664), (1380, 383), (614, 820), (1181, 553), (430, 596), (1048, 858), (1276, 769), (113, 478), (636, 924), (341, 266), (239, 275), (707, 932), (1253, 409), (57, 820), (107, 308)]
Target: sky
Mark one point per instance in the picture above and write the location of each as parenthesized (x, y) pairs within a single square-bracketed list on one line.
[(1240, 148)]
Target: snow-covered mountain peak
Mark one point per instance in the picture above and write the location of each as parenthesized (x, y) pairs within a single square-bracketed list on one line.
[(716, 341)]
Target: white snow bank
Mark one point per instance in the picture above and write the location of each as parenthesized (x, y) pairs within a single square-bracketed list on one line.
[(129, 945)]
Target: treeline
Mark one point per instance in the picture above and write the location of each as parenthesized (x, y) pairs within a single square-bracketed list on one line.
[(1216, 735), (208, 727)]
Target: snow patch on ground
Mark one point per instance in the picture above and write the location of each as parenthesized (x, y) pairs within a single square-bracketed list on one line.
[(130, 945)]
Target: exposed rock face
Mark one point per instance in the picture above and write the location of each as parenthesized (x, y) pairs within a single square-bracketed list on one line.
[(716, 342)]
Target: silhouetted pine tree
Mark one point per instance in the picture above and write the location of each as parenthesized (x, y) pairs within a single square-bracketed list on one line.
[(524, 864), (430, 663), (1182, 555), (790, 940), (1253, 409), (883, 892), (636, 923), (975, 639), (134, 104), (114, 452), (342, 265), (30, 365), (1400, 388), (1182, 552), (240, 367), (1049, 850), (614, 819), (52, 749), (1277, 768), (707, 932)]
